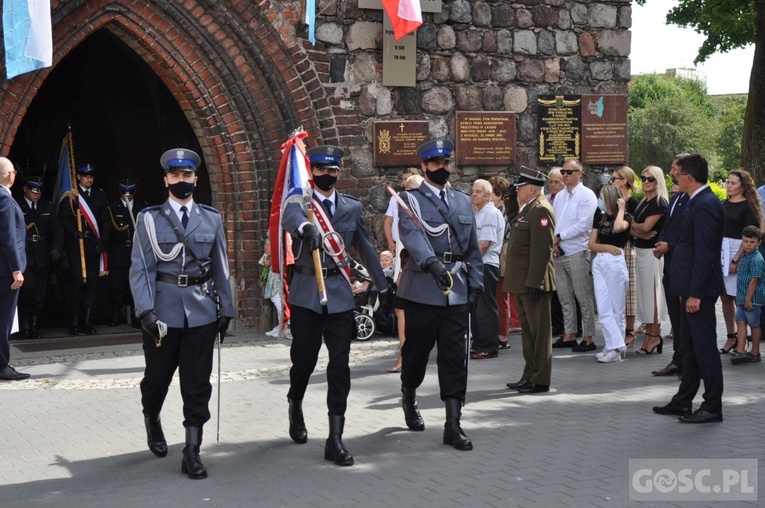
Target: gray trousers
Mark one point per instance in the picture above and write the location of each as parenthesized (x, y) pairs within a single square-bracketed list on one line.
[(573, 277)]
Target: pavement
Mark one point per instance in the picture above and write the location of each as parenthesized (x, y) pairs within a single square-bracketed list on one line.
[(73, 435)]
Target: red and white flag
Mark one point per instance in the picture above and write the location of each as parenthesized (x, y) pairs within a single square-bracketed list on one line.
[(405, 16)]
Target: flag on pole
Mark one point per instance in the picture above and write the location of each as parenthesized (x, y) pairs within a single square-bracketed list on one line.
[(65, 176), (405, 16), (310, 20), (28, 35)]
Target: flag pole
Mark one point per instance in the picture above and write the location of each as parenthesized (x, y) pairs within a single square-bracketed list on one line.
[(75, 191)]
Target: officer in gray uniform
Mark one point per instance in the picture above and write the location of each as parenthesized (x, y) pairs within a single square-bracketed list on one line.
[(334, 322), (179, 267), (442, 257)]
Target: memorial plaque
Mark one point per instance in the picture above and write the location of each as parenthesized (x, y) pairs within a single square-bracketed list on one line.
[(559, 124), (396, 143), (604, 129), (399, 57), (485, 138), (425, 5)]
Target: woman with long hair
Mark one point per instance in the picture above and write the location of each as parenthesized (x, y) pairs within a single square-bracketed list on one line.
[(649, 219), (742, 209)]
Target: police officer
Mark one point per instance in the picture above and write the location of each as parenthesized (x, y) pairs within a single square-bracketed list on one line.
[(123, 212), (335, 321), (440, 280), (94, 231), (45, 240), (179, 267)]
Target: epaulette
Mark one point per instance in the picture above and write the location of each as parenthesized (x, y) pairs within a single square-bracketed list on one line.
[(460, 191), (154, 208), (209, 208), (349, 196)]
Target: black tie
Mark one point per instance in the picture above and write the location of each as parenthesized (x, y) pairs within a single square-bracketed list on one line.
[(185, 218), (34, 206), (443, 198), (87, 193), (328, 206), (687, 207)]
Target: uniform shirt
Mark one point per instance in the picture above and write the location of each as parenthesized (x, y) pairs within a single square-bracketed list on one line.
[(751, 265), (176, 206), (573, 215), (490, 227)]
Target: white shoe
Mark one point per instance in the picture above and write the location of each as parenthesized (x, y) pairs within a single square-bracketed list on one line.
[(273, 332), (603, 352), (613, 356)]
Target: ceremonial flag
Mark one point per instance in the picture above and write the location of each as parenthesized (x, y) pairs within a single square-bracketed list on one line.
[(65, 176), (28, 36), (310, 20), (405, 16)]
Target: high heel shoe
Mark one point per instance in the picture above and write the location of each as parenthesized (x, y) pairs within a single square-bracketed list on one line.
[(731, 337), (658, 347), (629, 337)]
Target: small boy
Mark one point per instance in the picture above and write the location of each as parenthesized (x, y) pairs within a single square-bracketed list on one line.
[(386, 261), (750, 295)]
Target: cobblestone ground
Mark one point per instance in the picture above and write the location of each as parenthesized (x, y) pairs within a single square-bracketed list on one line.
[(73, 434)]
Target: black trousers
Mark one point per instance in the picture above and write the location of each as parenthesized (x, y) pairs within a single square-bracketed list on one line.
[(675, 311), (338, 330), (83, 295), (190, 350), (32, 292), (701, 360), (484, 322), (427, 325), (120, 286)]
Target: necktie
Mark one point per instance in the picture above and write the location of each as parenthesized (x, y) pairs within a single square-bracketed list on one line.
[(443, 198), (687, 207), (328, 206), (34, 206), (87, 193), (185, 218)]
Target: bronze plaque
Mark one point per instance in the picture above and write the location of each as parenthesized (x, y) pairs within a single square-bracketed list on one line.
[(604, 129), (396, 142), (485, 138), (559, 125)]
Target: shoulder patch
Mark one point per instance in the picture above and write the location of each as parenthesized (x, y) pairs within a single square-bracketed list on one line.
[(208, 208)]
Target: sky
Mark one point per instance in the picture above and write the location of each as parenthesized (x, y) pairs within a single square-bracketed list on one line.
[(657, 47)]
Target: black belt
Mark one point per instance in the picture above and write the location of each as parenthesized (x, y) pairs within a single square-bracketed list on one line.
[(308, 270), (448, 257), (182, 280)]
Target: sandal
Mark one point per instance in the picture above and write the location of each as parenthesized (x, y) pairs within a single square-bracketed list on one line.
[(629, 339), (504, 344), (733, 337), (658, 347)]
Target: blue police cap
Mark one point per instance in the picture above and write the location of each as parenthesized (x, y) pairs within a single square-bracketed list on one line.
[(87, 169), (325, 156), (530, 176), (180, 159), (35, 183), (127, 186), (436, 149)]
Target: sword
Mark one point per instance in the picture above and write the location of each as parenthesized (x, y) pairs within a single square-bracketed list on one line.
[(217, 426)]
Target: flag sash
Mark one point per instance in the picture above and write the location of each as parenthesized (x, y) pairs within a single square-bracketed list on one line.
[(332, 246), (87, 213)]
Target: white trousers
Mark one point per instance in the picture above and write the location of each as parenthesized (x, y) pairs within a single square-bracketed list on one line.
[(610, 281)]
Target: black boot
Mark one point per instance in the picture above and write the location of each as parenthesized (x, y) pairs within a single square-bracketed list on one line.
[(411, 412), (298, 432), (116, 316), (24, 326), (453, 434), (191, 464), (74, 324), (334, 449), (87, 326), (34, 333), (154, 435)]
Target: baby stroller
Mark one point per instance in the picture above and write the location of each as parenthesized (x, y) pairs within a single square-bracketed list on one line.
[(370, 315)]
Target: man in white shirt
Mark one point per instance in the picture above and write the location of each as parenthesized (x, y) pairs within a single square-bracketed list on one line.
[(574, 211)]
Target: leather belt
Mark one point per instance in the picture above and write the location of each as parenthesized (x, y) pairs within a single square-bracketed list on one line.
[(33, 238), (308, 270), (182, 280), (448, 257)]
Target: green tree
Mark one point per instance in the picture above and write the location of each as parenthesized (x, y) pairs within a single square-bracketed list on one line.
[(731, 131)]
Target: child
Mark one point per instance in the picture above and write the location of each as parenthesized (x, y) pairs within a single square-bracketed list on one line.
[(272, 287), (386, 261), (750, 295)]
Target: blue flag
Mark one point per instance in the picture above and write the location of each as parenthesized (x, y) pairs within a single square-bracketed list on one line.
[(28, 35), (64, 178)]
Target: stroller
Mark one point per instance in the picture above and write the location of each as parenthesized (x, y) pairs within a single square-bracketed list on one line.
[(370, 315)]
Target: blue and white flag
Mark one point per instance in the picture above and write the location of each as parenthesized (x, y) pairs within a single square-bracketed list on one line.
[(65, 176), (28, 35), (310, 20)]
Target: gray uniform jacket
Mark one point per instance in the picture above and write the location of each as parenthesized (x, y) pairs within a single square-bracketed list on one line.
[(348, 220), (419, 286), (205, 235)]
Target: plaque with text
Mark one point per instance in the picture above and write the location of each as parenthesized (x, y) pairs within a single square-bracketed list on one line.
[(399, 57), (485, 138), (559, 120), (425, 5), (604, 129), (396, 143)]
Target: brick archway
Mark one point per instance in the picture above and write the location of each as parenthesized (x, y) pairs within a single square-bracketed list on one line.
[(237, 84)]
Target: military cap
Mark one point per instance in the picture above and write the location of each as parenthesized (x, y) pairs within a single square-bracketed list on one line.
[(436, 149), (325, 156), (35, 183), (127, 185), (87, 169), (180, 159), (530, 176)]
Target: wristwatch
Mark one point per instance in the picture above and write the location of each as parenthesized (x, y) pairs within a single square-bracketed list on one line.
[(734, 261)]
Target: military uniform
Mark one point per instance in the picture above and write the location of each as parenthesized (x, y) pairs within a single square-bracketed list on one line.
[(431, 316), (173, 287), (45, 239), (530, 276), (83, 295)]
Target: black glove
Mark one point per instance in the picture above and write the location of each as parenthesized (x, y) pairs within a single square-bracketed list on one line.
[(223, 326), (311, 237), (474, 297), (99, 246), (439, 272), (79, 235), (534, 294), (55, 254), (149, 323)]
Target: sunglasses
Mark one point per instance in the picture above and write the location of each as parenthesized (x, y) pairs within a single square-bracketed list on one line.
[(648, 179), (569, 171), (615, 178)]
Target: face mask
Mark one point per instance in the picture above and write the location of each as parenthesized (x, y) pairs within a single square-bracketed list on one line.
[(601, 205), (324, 182), (439, 176), (181, 190)]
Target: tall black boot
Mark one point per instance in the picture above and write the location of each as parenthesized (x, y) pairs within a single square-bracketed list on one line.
[(298, 432), (154, 435), (87, 326), (74, 324), (116, 316), (191, 464), (334, 449), (33, 332), (411, 412), (23, 325), (453, 434)]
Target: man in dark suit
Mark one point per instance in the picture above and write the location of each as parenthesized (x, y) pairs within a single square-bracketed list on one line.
[(698, 281), (334, 321), (14, 262)]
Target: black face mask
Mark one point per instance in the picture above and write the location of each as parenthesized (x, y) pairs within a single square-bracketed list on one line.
[(439, 177), (181, 190), (324, 182)]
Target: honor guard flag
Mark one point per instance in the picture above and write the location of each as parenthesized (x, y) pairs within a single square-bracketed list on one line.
[(65, 176), (27, 32), (310, 20), (405, 16)]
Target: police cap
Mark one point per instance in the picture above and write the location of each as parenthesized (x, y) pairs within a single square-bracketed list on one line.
[(436, 149), (325, 156), (127, 185), (180, 159), (530, 176), (35, 183), (87, 170)]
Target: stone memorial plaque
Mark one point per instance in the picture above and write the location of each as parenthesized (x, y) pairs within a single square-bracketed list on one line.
[(485, 138), (425, 5), (399, 57), (604, 129), (559, 120), (396, 143)]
